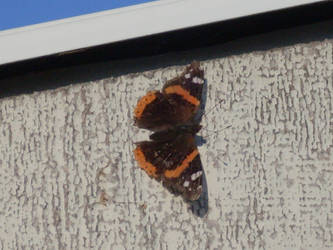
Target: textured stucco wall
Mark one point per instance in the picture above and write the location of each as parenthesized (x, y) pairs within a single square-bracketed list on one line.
[(68, 178)]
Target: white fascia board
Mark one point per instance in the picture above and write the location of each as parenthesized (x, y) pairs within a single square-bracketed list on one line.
[(125, 23)]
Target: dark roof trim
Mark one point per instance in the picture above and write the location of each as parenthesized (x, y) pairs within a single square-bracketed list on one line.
[(180, 40)]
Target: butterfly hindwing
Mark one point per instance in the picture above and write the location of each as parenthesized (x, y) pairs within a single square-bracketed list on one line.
[(175, 162), (189, 184)]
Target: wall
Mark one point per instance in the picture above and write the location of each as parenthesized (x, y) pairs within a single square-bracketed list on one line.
[(69, 180)]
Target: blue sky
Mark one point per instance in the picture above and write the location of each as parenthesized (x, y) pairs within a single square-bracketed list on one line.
[(17, 13)]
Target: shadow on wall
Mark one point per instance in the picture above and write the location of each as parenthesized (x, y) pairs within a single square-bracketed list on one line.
[(200, 206), (51, 79)]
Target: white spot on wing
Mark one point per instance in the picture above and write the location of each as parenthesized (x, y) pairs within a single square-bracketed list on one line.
[(186, 183), (188, 75), (196, 175), (197, 80)]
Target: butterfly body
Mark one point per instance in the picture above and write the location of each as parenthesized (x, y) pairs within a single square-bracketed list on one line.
[(171, 155), (176, 132)]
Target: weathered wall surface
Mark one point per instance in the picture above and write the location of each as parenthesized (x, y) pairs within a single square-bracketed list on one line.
[(68, 179)]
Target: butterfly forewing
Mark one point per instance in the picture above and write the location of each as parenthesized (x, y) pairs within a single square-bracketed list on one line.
[(177, 104)]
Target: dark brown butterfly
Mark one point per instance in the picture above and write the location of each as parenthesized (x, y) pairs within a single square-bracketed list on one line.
[(171, 155)]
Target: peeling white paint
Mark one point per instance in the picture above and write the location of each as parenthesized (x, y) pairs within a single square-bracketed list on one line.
[(269, 175)]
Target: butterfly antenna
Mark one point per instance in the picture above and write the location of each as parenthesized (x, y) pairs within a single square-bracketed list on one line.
[(206, 113), (217, 131), (219, 102)]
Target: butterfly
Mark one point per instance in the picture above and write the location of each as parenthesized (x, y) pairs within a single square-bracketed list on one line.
[(171, 155)]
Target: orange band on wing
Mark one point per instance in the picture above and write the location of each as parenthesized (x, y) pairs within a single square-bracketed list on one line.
[(180, 169), (143, 102), (177, 89), (146, 166)]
